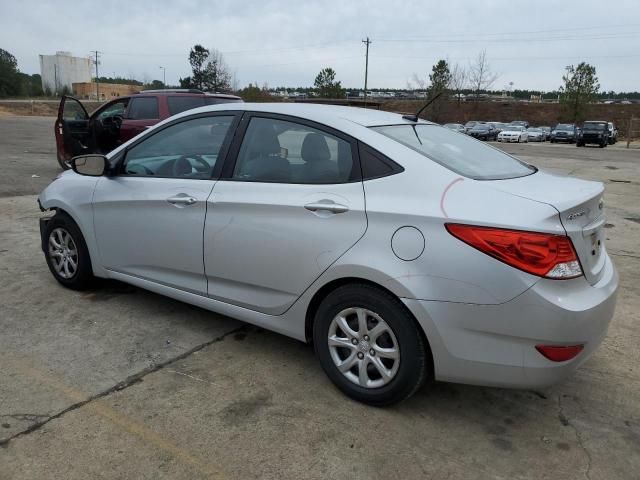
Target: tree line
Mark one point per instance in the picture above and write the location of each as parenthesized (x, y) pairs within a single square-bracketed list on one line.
[(210, 72)]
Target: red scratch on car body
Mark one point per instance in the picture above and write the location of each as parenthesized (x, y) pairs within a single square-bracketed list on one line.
[(444, 194)]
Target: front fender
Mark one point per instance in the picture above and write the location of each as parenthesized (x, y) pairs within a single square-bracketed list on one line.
[(73, 194)]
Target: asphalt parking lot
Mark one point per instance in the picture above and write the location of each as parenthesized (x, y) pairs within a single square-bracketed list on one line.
[(122, 383)]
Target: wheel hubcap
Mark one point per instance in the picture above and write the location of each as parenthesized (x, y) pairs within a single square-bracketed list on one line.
[(363, 347), (63, 253)]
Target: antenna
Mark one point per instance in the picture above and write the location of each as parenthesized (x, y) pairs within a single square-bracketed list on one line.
[(414, 118)]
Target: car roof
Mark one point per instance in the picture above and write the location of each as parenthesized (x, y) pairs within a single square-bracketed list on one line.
[(326, 114)]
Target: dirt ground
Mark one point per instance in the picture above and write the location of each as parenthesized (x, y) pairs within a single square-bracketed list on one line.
[(122, 383)]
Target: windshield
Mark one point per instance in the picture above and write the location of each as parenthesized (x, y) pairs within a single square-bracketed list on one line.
[(459, 153), (514, 128), (482, 126), (534, 130), (564, 126), (594, 126)]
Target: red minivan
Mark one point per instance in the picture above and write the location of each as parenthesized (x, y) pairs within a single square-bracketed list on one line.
[(115, 122)]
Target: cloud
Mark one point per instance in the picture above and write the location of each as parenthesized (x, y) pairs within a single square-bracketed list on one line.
[(287, 42)]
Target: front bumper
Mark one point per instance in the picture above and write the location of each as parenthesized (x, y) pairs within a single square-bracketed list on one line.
[(508, 139), (563, 139), (43, 225), (494, 345)]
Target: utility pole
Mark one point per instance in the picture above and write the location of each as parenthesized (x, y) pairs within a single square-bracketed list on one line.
[(164, 77), (97, 56), (367, 42)]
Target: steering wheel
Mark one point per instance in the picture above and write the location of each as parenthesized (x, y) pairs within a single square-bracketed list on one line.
[(116, 123), (182, 165)]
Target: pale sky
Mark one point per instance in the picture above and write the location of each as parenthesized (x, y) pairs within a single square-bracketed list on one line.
[(286, 43)]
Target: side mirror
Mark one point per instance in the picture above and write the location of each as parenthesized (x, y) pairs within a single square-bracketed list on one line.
[(90, 165)]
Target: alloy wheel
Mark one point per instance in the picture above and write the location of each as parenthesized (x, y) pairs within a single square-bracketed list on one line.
[(63, 253), (363, 347)]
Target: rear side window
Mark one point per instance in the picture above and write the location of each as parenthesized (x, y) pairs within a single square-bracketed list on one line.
[(180, 104), (376, 165), (458, 153), (288, 152), (143, 108)]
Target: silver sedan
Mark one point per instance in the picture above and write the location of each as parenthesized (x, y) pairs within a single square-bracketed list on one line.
[(404, 251)]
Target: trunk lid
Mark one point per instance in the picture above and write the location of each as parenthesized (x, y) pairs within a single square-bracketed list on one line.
[(581, 209)]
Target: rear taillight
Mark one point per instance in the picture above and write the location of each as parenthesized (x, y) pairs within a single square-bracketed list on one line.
[(542, 254), (559, 353)]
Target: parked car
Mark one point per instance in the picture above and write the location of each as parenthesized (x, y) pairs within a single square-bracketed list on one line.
[(499, 126), (522, 123), (513, 133), (483, 131), (115, 122), (348, 228), (564, 132), (613, 133), (469, 125), (547, 132), (535, 134), (456, 127), (594, 133)]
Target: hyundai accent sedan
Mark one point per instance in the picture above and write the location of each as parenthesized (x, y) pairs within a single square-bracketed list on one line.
[(404, 251)]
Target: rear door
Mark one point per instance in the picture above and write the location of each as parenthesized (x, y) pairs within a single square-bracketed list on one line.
[(142, 112), (72, 129), (290, 202)]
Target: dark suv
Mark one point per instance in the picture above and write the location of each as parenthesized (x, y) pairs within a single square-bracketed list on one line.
[(115, 122), (594, 133)]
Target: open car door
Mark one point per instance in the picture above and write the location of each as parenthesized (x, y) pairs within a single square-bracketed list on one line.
[(72, 131)]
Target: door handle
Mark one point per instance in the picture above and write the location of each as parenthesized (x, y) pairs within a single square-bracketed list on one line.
[(181, 200), (325, 205)]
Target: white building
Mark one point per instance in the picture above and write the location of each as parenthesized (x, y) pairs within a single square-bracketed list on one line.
[(62, 70)]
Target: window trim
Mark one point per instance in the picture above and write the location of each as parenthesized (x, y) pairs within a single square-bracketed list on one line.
[(222, 155), (232, 157)]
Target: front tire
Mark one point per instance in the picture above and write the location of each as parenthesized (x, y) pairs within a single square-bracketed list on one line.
[(370, 346), (66, 253)]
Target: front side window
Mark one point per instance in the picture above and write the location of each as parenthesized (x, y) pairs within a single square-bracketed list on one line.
[(188, 149), (286, 152), (116, 109), (458, 153), (143, 108)]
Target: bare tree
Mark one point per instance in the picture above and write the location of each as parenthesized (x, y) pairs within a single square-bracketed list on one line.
[(217, 73), (458, 81), (480, 75), (417, 83)]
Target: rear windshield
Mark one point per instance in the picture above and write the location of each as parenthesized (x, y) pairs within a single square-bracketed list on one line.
[(459, 153)]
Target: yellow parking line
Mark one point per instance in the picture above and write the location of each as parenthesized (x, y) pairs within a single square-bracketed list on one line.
[(120, 420)]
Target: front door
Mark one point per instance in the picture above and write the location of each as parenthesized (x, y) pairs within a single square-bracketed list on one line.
[(72, 129), (150, 217), (288, 208)]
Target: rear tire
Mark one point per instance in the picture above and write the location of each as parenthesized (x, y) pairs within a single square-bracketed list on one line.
[(372, 336), (67, 254)]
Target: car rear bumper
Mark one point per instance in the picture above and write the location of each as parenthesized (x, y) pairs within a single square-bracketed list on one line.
[(494, 345)]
